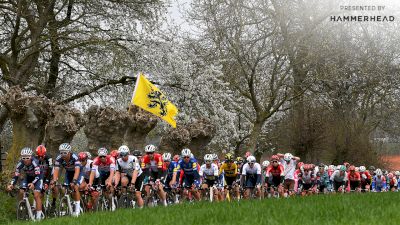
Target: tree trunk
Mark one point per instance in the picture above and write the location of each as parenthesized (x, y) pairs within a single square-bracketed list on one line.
[(22, 137), (253, 139)]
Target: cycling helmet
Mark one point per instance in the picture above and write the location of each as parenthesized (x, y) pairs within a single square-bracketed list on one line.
[(247, 154), (385, 172), (186, 152), (208, 157), (352, 168), (338, 167), (150, 148), (239, 159), (89, 155), (123, 150), (397, 173), (215, 156), (300, 164), (166, 157), (343, 168), (265, 163), (82, 156), (41, 150), (251, 159), (372, 168), (362, 169), (274, 157), (65, 147), (229, 157), (288, 157), (137, 153), (102, 152), (321, 165), (390, 175), (332, 167), (26, 151), (378, 172), (357, 169), (114, 153), (326, 168)]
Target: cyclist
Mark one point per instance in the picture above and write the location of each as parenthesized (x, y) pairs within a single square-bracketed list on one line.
[(354, 179), (73, 172), (33, 179), (46, 167), (322, 178), (251, 177), (392, 182), (209, 174), (168, 172), (87, 165), (129, 172), (274, 176), (288, 161), (191, 178), (307, 180), (105, 165), (378, 182), (229, 170), (365, 179), (152, 165), (339, 179)]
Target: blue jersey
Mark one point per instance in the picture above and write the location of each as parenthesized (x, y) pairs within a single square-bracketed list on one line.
[(189, 168), (378, 183), (69, 165), (171, 168), (31, 170)]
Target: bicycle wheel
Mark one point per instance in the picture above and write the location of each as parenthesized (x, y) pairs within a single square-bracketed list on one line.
[(123, 201), (22, 211), (63, 208)]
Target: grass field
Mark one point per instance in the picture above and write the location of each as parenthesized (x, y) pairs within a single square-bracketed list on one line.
[(374, 208)]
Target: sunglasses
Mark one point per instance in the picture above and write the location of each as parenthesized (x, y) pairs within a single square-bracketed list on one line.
[(25, 158), (251, 163), (103, 156), (63, 153), (149, 153), (186, 157), (123, 155), (274, 161), (208, 161)]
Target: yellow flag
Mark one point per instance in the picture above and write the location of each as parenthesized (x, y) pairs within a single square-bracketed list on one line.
[(149, 97)]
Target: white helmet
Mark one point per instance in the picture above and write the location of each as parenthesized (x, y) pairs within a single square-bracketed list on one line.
[(123, 150), (166, 157), (338, 167), (357, 169), (150, 148), (326, 168), (362, 169), (102, 152), (288, 157), (332, 167), (186, 152), (251, 159), (191, 155), (208, 157), (65, 147), (378, 172), (215, 156), (265, 163), (397, 173), (27, 151)]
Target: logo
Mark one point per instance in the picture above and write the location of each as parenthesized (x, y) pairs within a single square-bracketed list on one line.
[(157, 99)]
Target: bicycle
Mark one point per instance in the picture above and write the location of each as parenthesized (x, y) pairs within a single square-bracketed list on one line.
[(103, 203), (152, 199), (50, 210), (127, 197), (65, 206), (24, 207)]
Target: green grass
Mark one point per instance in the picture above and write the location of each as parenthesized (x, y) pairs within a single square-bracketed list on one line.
[(7, 208), (374, 208)]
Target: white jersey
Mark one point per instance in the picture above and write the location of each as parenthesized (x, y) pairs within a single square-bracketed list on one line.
[(88, 168), (289, 168), (209, 173), (336, 176), (247, 170), (129, 165)]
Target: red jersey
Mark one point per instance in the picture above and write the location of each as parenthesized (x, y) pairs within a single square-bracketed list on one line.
[(154, 164), (274, 171), (106, 166), (353, 176)]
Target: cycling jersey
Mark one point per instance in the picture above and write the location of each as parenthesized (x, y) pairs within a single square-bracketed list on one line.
[(104, 167), (252, 174), (32, 171), (274, 171), (129, 165), (354, 176), (154, 164), (307, 177), (229, 170), (339, 178), (289, 168), (87, 168), (189, 169), (210, 173), (46, 166), (69, 165), (365, 177), (378, 183)]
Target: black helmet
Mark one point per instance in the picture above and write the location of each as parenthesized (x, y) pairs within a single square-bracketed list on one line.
[(137, 153)]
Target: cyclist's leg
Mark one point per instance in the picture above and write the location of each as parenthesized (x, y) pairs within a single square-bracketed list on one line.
[(138, 193)]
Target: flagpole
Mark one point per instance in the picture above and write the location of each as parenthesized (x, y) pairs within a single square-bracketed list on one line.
[(136, 85)]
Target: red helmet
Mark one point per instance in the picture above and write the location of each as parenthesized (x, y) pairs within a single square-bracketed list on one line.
[(274, 157), (300, 164), (114, 153), (346, 164), (390, 175), (176, 158), (352, 168), (41, 150), (247, 154), (82, 156)]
